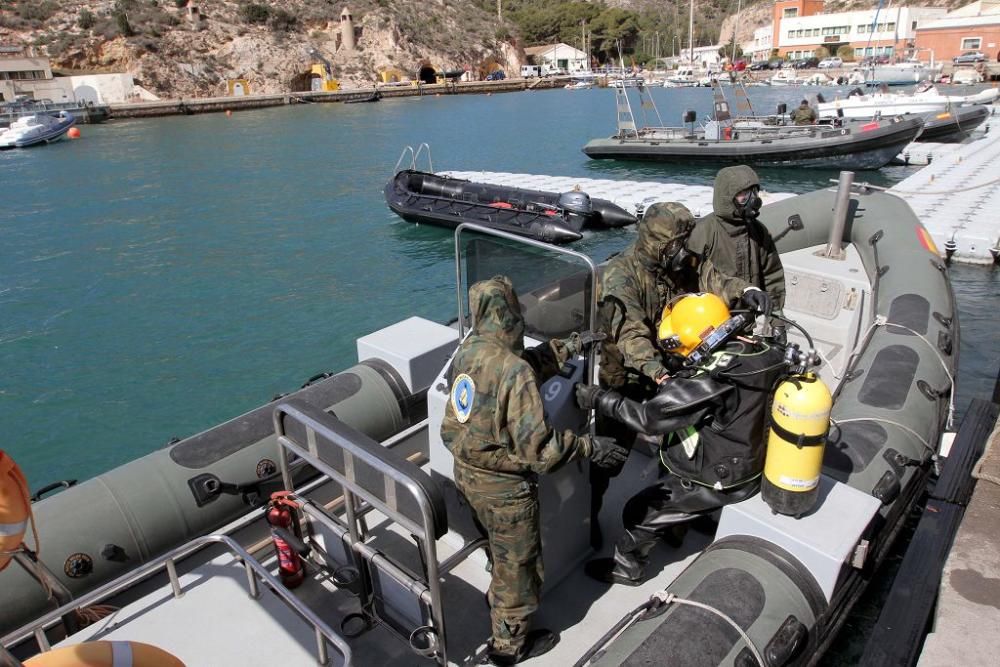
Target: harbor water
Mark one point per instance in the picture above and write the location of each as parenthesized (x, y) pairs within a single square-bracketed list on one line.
[(160, 276)]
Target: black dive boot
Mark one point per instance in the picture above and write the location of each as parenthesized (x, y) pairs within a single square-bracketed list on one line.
[(631, 556), (538, 642)]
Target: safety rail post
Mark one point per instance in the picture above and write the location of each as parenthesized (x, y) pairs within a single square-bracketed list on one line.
[(835, 243)]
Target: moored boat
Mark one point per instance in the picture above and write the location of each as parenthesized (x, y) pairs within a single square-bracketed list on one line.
[(423, 197), (953, 124), (924, 100), (37, 128), (852, 146)]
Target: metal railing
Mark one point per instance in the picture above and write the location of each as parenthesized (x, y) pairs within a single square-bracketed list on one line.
[(320, 425), (254, 571)]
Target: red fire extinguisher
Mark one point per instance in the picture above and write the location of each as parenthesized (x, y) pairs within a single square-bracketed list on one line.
[(281, 514)]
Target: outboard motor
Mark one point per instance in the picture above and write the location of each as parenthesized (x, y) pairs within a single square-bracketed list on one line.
[(577, 206)]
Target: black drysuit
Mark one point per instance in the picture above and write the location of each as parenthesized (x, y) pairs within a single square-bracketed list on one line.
[(713, 422)]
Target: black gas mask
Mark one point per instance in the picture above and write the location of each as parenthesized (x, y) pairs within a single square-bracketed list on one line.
[(748, 203)]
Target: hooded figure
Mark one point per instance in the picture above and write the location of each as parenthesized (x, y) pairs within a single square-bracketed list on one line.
[(739, 261), (804, 114), (635, 287), (495, 428)]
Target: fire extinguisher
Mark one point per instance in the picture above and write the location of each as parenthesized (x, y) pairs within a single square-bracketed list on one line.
[(281, 515)]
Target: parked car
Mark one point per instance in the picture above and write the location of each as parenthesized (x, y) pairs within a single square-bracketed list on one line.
[(758, 66), (970, 57), (805, 63), (498, 75), (831, 63), (868, 61), (777, 63)]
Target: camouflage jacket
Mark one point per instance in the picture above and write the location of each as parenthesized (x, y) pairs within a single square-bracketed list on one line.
[(736, 255), (635, 287), (494, 419), (804, 115)]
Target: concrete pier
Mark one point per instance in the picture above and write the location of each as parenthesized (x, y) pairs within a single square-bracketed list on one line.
[(968, 609), (217, 104)]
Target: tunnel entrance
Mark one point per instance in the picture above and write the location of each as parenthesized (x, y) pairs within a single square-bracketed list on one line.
[(427, 74)]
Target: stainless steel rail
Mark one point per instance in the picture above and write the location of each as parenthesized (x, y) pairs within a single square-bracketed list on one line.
[(254, 571)]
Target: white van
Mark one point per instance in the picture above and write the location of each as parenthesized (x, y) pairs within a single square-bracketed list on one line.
[(529, 71)]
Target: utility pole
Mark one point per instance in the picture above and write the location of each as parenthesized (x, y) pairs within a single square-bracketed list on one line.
[(690, 33), (499, 12), (736, 27)]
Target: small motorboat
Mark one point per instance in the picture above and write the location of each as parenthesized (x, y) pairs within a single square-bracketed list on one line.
[(725, 140), (954, 124), (37, 128), (418, 196), (926, 99)]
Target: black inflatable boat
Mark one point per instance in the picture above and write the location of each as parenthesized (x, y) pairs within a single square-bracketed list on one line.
[(418, 196), (953, 125)]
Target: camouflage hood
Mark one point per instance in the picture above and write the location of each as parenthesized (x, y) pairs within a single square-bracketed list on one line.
[(729, 182), (664, 224), (496, 312)]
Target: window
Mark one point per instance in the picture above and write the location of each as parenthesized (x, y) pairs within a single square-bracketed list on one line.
[(791, 34), (971, 43), (790, 12), (913, 26), (858, 51), (862, 29), (890, 27)]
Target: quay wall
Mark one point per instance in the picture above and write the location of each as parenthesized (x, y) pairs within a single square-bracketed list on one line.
[(219, 104)]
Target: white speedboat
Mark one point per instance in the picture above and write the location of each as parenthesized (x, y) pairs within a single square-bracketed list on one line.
[(682, 78), (579, 84), (966, 76), (923, 101), (787, 77), (39, 128)]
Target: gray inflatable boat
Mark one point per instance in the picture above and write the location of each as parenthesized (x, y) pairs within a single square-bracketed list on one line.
[(778, 587)]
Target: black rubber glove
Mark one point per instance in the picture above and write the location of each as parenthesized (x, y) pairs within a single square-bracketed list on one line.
[(757, 299), (607, 453), (587, 395)]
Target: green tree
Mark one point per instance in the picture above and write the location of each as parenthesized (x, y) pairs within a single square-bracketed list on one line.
[(86, 19), (254, 13), (846, 53), (821, 52)]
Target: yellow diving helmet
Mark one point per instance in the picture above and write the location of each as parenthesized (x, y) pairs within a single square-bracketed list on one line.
[(686, 323)]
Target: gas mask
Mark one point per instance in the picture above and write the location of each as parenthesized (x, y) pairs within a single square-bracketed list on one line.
[(748, 203)]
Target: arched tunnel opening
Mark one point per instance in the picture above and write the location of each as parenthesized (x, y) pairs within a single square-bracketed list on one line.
[(427, 74)]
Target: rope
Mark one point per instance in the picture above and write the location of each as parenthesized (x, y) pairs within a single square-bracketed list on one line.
[(904, 427), (667, 598), (945, 192)]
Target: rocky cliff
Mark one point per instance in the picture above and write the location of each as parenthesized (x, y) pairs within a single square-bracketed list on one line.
[(187, 48)]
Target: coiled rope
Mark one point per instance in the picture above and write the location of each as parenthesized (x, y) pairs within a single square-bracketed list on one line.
[(666, 598)]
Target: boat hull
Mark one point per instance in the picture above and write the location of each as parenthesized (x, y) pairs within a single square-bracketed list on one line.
[(449, 202), (955, 125), (831, 149)]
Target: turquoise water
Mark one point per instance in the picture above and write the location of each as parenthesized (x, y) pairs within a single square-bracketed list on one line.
[(160, 276)]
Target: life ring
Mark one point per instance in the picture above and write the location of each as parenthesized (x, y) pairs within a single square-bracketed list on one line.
[(15, 508), (105, 654)]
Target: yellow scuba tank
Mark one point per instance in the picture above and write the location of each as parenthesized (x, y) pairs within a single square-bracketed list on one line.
[(800, 420)]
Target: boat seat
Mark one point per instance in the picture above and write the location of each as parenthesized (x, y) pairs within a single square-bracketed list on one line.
[(375, 480)]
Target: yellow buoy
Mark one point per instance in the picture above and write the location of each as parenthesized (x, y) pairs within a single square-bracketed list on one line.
[(800, 420)]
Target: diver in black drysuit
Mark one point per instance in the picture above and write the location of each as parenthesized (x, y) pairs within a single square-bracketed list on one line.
[(713, 421)]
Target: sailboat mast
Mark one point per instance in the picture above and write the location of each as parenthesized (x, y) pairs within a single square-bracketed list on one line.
[(691, 34)]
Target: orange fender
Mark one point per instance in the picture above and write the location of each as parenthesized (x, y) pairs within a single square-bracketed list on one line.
[(105, 654)]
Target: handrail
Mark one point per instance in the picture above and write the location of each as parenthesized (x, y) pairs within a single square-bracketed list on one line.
[(312, 419), (416, 156), (253, 570), (413, 160)]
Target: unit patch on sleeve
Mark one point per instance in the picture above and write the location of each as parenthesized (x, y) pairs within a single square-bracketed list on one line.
[(463, 395)]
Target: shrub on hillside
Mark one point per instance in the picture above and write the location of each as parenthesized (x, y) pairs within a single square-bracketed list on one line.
[(37, 11), (86, 19), (283, 21), (254, 13)]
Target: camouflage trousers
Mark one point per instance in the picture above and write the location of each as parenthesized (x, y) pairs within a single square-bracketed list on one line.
[(506, 507)]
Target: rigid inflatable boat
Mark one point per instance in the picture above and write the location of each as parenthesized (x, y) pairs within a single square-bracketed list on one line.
[(394, 568), (422, 197), (954, 124), (869, 145)]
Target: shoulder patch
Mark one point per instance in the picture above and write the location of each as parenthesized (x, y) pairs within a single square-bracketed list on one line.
[(463, 395)]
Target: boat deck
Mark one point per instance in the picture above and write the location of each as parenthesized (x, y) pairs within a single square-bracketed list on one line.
[(213, 623)]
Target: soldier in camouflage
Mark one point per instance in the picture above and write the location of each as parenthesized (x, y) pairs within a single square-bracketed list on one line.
[(496, 430), (739, 261)]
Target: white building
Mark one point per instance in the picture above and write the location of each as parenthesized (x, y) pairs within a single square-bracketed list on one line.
[(558, 57), (893, 29), (760, 48), (705, 57)]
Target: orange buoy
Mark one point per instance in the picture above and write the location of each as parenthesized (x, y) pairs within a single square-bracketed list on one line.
[(15, 508), (74, 133), (105, 654)]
